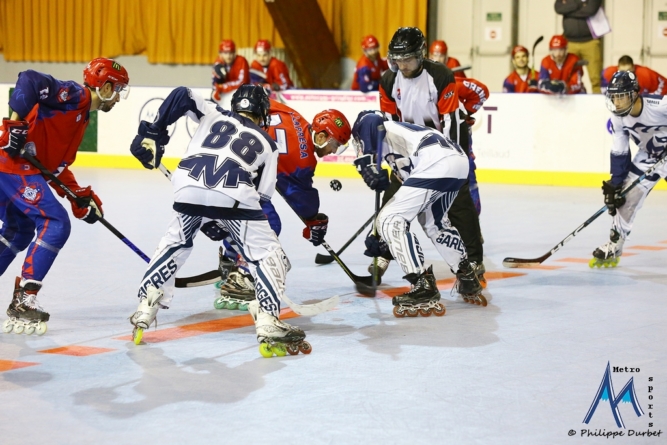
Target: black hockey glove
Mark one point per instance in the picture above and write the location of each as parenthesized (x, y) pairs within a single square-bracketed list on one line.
[(316, 228), (612, 198), (148, 145), (376, 180), (16, 133), (375, 246), (214, 231)]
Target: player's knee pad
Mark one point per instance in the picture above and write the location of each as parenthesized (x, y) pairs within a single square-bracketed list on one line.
[(271, 273), (403, 244), (57, 231)]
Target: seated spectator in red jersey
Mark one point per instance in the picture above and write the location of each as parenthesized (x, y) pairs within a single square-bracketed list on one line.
[(370, 67), (268, 71), (650, 82), (561, 71), (230, 71), (523, 79), (438, 53)]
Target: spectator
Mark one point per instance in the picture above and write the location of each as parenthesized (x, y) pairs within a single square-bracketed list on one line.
[(438, 53), (268, 71), (523, 79), (230, 71), (650, 82), (582, 43), (370, 67), (561, 71)]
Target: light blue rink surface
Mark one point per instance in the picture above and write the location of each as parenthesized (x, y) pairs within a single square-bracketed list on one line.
[(524, 370)]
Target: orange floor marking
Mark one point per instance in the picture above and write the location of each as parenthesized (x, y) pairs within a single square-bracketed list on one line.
[(8, 365), (663, 242), (647, 247), (201, 328), (447, 283), (77, 351), (574, 260)]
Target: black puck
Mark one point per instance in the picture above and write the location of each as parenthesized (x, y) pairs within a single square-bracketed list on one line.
[(336, 185)]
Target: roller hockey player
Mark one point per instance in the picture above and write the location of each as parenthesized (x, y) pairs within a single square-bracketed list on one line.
[(229, 167), (300, 144), (48, 121), (432, 169), (641, 118)]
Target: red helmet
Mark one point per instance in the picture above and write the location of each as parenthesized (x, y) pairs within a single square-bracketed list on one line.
[(101, 70), (227, 46), (369, 42), (263, 45), (334, 123), (438, 47), (519, 49), (557, 42)]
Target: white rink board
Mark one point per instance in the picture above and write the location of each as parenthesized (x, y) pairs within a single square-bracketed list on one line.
[(529, 132)]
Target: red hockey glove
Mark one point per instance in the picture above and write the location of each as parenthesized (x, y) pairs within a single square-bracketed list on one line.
[(16, 134), (87, 206), (316, 229)]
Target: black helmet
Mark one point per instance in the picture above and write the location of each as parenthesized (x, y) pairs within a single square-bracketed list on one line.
[(407, 42), (623, 84), (252, 99)]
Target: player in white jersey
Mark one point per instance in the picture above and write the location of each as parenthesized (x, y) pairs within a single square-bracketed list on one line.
[(432, 169), (229, 167), (644, 120)]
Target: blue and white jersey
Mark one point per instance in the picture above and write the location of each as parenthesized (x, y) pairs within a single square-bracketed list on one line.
[(229, 163), (415, 151), (648, 131)]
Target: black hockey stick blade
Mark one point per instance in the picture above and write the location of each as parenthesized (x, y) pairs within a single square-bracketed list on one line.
[(323, 259), (365, 290), (210, 277), (537, 42), (512, 263)]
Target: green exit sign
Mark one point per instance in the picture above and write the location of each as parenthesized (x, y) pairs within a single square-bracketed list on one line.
[(494, 16), (662, 15)]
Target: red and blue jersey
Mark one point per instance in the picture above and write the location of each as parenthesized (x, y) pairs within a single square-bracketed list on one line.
[(515, 83), (297, 161), (275, 74), (367, 74), (650, 82), (569, 72), (57, 113)]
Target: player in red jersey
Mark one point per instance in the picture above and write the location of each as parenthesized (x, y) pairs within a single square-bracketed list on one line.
[(298, 144), (48, 121), (561, 71), (650, 82), (370, 67), (230, 70), (438, 53), (268, 71), (523, 79)]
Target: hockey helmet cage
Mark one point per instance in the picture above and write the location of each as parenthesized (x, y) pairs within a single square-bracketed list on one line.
[(558, 42), (101, 70), (227, 46), (252, 99), (335, 124), (438, 47), (623, 85), (263, 46), (369, 42)]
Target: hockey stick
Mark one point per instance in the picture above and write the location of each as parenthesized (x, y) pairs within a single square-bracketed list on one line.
[(521, 262), (326, 259), (461, 68), (532, 54), (81, 202)]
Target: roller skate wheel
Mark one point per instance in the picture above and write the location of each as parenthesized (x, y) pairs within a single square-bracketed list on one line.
[(7, 326), (137, 335), (292, 349), (41, 328), (305, 347), (218, 284), (440, 310), (482, 300), (231, 306), (593, 263), (243, 307), (29, 330), (265, 350), (18, 329), (219, 303), (279, 350), (413, 312), (425, 312), (398, 312), (615, 261)]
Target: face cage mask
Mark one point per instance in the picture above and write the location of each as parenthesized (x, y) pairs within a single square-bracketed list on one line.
[(609, 102), (340, 148), (392, 58), (123, 90)]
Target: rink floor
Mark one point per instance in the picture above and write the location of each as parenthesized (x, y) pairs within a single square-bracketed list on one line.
[(523, 370)]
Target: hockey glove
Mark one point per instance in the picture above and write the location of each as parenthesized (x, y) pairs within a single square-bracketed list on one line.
[(375, 246), (612, 198), (376, 180), (214, 231), (148, 145), (87, 206), (548, 86), (16, 134), (220, 73), (316, 228)]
